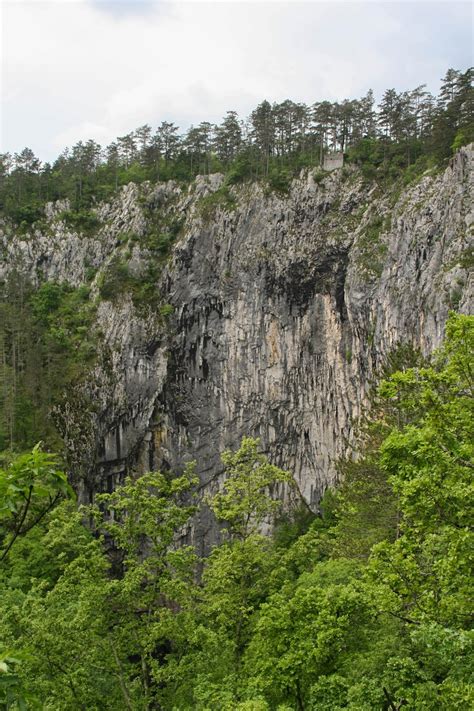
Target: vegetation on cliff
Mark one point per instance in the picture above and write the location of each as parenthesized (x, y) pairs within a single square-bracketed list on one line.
[(47, 342), (365, 606), (407, 133)]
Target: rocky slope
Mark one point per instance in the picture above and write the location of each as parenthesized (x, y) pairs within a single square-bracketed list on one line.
[(284, 307)]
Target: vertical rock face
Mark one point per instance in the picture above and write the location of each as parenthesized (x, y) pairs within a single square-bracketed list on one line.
[(260, 333), (284, 307)]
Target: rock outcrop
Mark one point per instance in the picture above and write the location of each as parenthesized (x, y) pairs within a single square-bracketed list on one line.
[(284, 308)]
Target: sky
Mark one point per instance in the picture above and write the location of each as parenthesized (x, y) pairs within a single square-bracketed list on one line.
[(78, 69)]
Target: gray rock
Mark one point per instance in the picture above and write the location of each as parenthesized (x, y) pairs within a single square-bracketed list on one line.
[(285, 308)]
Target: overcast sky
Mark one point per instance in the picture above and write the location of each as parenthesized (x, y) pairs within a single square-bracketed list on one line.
[(79, 69)]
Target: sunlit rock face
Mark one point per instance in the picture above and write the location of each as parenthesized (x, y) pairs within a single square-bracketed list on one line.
[(284, 309)]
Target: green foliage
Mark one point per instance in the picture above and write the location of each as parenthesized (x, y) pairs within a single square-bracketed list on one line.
[(87, 639), (424, 165), (151, 507), (61, 625), (279, 180), (366, 509), (48, 341), (82, 220), (235, 581), (466, 260), (220, 199), (142, 284), (289, 526), (241, 169), (162, 233), (318, 176), (67, 315), (370, 247), (30, 486), (389, 162), (27, 215), (166, 310), (117, 280), (159, 243), (12, 692), (114, 280), (301, 630), (244, 504), (463, 137), (429, 463), (366, 606)]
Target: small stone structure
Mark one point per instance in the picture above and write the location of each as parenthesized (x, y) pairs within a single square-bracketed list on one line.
[(333, 160)]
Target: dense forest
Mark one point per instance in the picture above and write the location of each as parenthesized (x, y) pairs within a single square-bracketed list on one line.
[(410, 130), (367, 605)]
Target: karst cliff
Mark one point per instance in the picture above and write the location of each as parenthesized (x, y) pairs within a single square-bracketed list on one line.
[(275, 313)]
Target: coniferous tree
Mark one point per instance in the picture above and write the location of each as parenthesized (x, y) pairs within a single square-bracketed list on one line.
[(322, 117), (228, 137), (262, 121)]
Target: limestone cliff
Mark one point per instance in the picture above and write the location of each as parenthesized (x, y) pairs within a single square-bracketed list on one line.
[(284, 307)]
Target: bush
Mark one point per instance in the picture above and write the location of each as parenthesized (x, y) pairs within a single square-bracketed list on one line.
[(239, 170), (371, 249), (115, 280), (27, 215), (220, 199), (166, 310), (83, 220), (279, 180)]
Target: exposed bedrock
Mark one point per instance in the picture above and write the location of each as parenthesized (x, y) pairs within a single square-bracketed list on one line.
[(284, 309)]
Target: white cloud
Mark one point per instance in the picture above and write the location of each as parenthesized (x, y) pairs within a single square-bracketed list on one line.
[(78, 69)]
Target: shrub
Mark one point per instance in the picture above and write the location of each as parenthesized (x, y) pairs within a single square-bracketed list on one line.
[(166, 310), (279, 180), (220, 199), (115, 280), (83, 220)]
